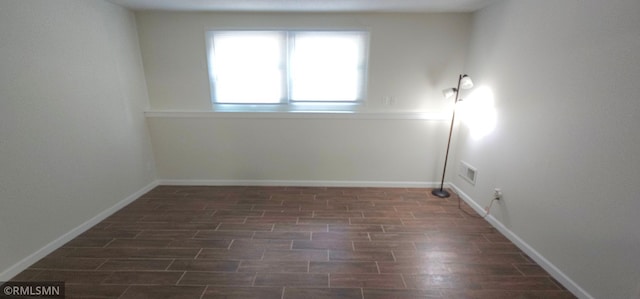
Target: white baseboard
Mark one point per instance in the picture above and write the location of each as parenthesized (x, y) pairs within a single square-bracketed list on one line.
[(300, 183), (571, 285), (25, 263)]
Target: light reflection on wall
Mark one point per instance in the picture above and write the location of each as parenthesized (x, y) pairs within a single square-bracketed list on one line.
[(478, 112)]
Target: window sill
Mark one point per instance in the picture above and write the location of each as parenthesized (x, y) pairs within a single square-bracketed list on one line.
[(329, 107), (396, 115)]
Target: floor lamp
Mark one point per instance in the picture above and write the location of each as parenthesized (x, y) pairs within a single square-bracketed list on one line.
[(464, 82)]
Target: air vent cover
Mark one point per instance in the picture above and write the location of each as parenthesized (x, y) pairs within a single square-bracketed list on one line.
[(468, 172)]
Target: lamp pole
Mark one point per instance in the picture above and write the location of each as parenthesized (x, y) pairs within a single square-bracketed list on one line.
[(441, 192)]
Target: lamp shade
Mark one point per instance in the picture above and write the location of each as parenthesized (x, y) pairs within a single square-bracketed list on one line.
[(449, 92), (465, 82)]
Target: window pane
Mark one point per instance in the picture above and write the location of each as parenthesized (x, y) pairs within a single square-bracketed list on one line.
[(327, 66), (247, 67)]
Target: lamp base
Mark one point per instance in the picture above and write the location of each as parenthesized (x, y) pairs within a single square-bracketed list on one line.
[(440, 193)]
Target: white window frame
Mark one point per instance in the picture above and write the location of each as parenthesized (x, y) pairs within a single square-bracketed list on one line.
[(286, 104)]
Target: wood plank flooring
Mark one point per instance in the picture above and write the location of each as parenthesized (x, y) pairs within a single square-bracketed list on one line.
[(294, 242)]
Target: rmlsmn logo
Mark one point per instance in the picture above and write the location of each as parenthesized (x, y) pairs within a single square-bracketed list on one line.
[(31, 289)]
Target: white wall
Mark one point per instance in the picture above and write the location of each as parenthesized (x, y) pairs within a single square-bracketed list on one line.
[(318, 150), (73, 141), (566, 147), (412, 58)]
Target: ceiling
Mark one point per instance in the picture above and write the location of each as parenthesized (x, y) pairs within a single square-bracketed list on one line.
[(307, 5)]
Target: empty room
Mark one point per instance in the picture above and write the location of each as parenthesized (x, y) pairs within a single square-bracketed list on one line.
[(319, 149)]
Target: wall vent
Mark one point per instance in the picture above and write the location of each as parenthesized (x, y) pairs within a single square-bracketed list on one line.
[(468, 172)]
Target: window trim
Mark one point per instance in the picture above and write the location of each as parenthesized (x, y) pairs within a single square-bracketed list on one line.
[(286, 104)]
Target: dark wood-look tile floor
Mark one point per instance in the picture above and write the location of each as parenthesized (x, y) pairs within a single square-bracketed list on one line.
[(285, 242)]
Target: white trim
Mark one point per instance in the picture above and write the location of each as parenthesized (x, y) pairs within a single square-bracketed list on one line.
[(25, 263), (567, 282), (299, 183), (299, 115)]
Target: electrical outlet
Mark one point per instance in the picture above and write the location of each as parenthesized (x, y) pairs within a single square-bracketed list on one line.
[(497, 193), (389, 100)]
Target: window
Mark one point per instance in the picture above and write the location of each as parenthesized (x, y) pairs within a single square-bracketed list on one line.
[(287, 67)]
